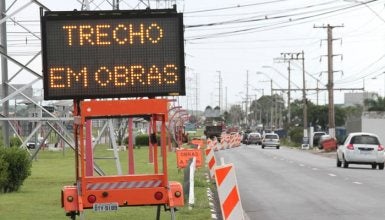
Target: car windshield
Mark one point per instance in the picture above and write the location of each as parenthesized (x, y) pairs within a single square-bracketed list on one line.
[(271, 136), (365, 139), (254, 135)]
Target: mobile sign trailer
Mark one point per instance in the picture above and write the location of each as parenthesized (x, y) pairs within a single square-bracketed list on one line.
[(107, 193), (115, 54)]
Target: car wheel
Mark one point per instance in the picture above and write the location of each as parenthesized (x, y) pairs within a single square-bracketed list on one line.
[(277, 147), (346, 164), (263, 147), (381, 166), (374, 166), (339, 163)]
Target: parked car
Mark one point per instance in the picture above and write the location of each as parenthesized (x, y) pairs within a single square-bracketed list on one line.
[(361, 148), (254, 138), (270, 140), (30, 145), (316, 138)]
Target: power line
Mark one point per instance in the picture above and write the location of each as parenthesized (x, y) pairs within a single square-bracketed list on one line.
[(293, 21), (233, 7)]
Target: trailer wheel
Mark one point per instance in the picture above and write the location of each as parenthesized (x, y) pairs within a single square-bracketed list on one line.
[(72, 215)]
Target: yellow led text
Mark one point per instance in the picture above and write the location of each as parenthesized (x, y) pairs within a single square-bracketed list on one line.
[(106, 34), (116, 76)]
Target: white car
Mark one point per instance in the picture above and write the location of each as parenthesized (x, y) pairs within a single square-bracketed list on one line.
[(270, 140), (361, 148)]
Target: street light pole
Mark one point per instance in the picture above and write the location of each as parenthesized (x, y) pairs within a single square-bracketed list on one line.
[(288, 89)]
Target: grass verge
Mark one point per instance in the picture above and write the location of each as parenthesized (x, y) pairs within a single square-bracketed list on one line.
[(39, 197)]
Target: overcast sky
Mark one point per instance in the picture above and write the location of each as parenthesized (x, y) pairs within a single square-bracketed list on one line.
[(235, 37)]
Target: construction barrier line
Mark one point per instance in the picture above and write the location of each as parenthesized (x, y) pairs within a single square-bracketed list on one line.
[(228, 192), (210, 158)]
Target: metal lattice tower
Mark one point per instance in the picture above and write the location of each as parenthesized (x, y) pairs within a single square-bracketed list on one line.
[(24, 112)]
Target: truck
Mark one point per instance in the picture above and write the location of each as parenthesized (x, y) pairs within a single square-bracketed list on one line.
[(212, 131), (214, 123)]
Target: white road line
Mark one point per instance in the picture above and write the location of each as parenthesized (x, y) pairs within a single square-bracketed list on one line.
[(314, 168), (358, 183), (331, 174), (302, 165)]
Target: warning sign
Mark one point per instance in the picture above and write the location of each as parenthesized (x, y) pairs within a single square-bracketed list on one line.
[(184, 155)]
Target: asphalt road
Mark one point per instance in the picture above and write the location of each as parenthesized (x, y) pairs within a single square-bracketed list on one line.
[(294, 184)]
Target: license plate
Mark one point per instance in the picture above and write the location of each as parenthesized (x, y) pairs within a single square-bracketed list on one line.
[(105, 207), (365, 152)]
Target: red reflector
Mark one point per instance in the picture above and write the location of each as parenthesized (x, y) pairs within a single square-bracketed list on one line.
[(91, 198), (380, 148), (350, 147), (158, 195)]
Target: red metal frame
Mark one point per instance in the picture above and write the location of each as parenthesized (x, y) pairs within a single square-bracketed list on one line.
[(126, 190)]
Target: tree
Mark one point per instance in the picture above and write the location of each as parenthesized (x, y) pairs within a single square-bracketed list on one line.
[(236, 114), (266, 107), (375, 105)]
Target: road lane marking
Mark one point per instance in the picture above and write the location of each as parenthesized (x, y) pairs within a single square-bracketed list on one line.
[(302, 165), (358, 183), (331, 174), (314, 168)]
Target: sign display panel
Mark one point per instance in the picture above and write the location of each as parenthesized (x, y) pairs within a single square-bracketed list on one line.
[(109, 54)]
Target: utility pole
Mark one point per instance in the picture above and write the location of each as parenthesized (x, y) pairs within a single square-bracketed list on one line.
[(4, 73), (330, 85), (247, 96), (288, 97), (196, 95), (225, 98), (300, 56), (219, 89)]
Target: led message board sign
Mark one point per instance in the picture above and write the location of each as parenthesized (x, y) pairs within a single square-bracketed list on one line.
[(110, 54)]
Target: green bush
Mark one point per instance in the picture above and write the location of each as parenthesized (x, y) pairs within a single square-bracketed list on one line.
[(19, 168), (296, 135), (15, 142), (142, 140), (3, 170)]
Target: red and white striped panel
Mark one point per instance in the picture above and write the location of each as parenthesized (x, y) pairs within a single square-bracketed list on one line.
[(233, 139), (209, 143), (124, 185), (211, 161), (239, 138), (227, 141), (215, 143), (217, 146), (229, 198)]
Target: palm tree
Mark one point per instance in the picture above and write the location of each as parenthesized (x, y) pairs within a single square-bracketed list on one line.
[(375, 105)]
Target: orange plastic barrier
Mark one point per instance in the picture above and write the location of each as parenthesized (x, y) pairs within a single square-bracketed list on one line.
[(229, 198), (211, 161)]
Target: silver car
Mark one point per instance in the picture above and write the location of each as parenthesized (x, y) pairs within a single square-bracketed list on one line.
[(270, 140), (361, 148)]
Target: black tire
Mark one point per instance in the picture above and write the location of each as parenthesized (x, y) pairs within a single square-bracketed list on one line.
[(381, 166), (374, 166), (339, 163), (346, 164), (277, 147), (263, 146)]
